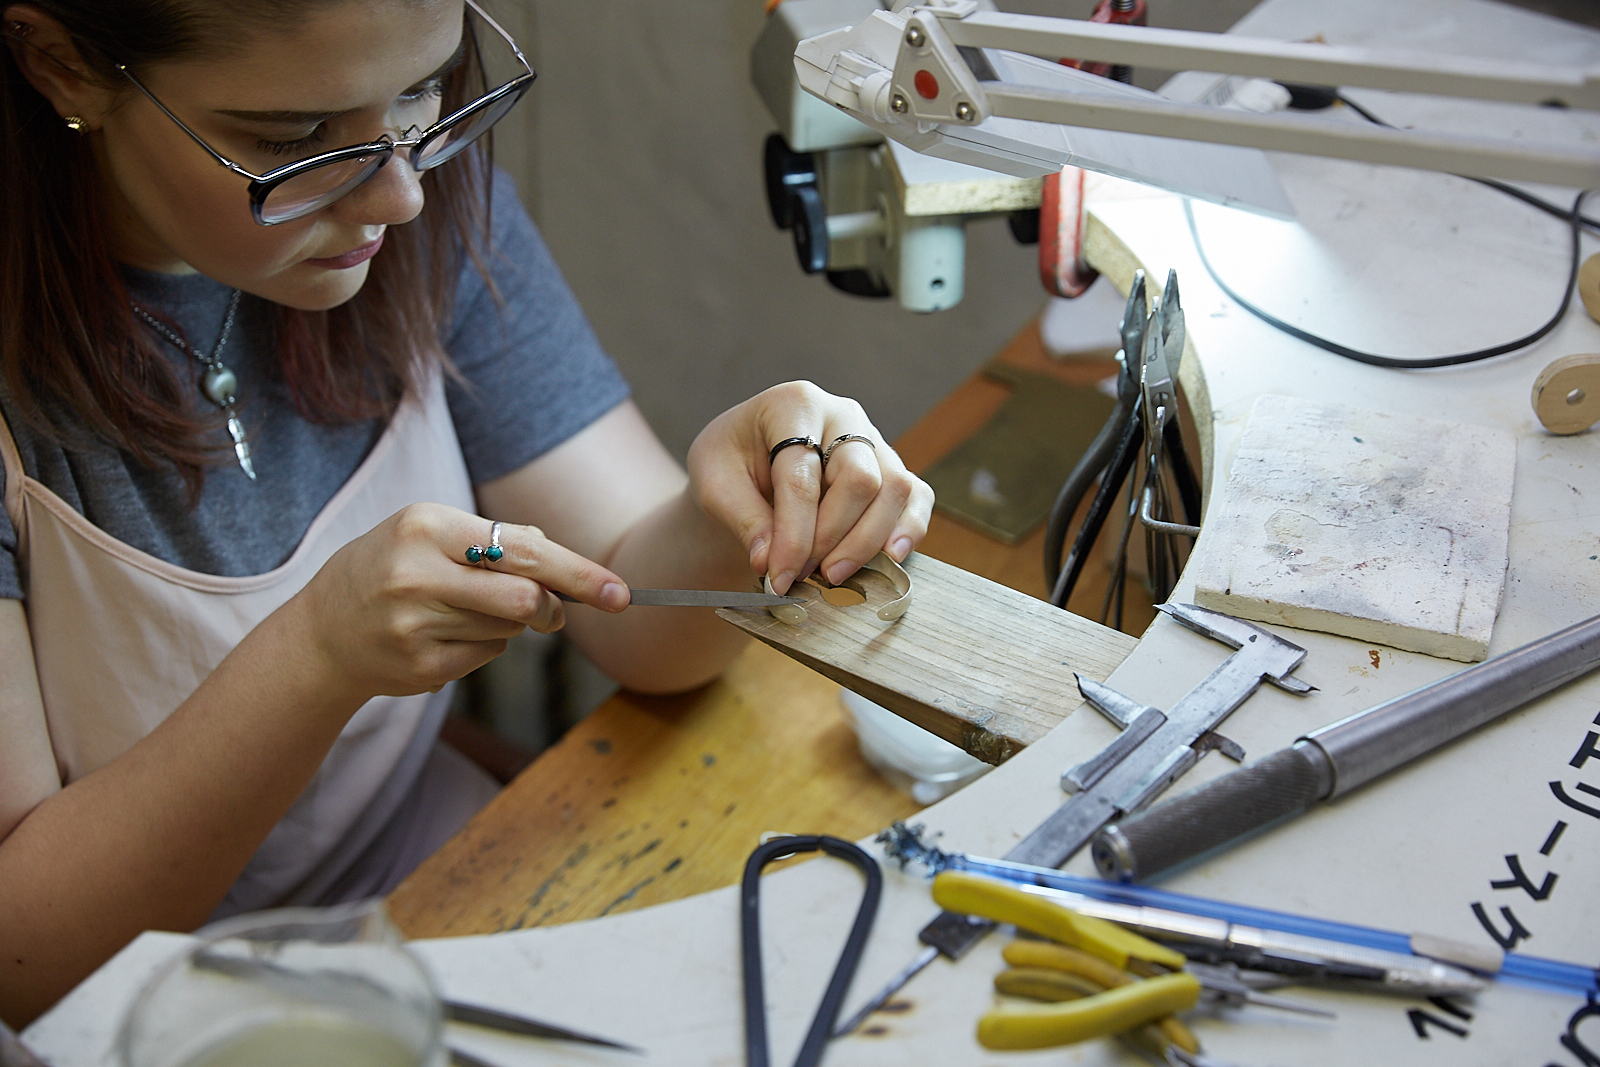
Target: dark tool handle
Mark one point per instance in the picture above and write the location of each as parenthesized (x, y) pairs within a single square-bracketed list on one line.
[(1104, 499), (1215, 815), (953, 934), (755, 1004)]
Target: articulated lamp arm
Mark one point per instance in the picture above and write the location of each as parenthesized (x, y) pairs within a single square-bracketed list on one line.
[(920, 73)]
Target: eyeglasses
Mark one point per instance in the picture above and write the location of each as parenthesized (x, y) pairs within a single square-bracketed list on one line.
[(298, 189)]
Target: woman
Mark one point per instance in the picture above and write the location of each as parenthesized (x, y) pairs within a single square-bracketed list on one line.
[(253, 412)]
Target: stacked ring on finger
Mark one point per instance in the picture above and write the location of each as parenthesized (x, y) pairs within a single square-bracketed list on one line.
[(477, 554), (811, 443), (842, 439)]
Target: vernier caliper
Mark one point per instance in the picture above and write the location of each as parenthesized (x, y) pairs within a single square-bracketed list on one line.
[(1154, 748)]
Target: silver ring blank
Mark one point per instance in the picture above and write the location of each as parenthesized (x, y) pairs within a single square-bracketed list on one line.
[(842, 438)]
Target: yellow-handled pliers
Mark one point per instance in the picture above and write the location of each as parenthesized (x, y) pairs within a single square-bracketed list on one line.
[(1101, 954), (991, 898)]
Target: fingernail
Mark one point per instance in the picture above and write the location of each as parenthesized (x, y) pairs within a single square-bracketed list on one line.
[(809, 569), (615, 597), (758, 546), (842, 570), (900, 549), (782, 582)]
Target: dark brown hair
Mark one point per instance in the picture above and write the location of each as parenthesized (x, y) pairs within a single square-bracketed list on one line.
[(71, 351)]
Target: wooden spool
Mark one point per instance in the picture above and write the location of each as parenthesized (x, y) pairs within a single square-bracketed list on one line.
[(1589, 285), (1566, 395)]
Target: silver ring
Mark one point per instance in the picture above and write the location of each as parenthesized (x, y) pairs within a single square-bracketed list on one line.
[(842, 438), (477, 554)]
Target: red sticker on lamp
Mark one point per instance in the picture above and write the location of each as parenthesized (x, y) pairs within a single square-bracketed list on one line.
[(927, 85)]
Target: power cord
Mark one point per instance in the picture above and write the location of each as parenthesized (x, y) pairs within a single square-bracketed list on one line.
[(1539, 202), (1573, 216)]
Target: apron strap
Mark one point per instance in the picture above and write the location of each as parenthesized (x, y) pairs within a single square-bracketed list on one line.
[(15, 476)]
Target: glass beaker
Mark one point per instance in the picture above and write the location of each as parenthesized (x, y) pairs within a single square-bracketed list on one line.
[(289, 988)]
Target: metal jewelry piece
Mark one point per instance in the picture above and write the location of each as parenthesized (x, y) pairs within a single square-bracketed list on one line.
[(218, 383), (815, 446), (884, 564), (841, 439), (75, 123), (493, 554)]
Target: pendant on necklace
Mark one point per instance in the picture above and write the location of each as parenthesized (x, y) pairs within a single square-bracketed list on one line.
[(241, 447), (219, 384)]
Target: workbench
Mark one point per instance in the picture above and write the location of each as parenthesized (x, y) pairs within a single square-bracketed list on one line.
[(651, 799), (1397, 261)]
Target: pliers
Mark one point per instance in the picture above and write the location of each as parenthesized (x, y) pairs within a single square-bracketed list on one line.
[(1105, 979), (1142, 425)]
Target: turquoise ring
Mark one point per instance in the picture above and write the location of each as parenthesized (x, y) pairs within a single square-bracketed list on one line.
[(493, 554)]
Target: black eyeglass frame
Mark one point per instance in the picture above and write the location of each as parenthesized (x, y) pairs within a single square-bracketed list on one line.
[(262, 185)]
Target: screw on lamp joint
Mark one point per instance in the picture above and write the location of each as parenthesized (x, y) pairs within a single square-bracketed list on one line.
[(915, 37), (965, 111), (898, 104)]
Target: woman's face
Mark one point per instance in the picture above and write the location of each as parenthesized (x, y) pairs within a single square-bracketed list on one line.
[(345, 74)]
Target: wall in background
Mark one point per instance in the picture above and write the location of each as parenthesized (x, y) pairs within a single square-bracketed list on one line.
[(644, 171)]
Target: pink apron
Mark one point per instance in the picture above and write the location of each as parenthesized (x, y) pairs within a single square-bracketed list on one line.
[(121, 638)]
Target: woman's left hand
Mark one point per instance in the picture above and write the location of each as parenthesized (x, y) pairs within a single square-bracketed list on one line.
[(793, 513)]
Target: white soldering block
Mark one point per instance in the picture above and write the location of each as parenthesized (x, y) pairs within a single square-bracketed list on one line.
[(1386, 528)]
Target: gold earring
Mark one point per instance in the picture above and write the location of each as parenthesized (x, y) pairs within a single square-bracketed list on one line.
[(76, 124), (18, 29)]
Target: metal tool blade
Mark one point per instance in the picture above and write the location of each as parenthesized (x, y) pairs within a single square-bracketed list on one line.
[(1135, 315), (890, 988), (1213, 624), (473, 1015), (1174, 328), (1109, 702), (1084, 775), (1236, 633), (699, 598), (709, 598)]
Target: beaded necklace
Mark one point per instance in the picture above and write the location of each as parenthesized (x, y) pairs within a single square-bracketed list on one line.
[(218, 384)]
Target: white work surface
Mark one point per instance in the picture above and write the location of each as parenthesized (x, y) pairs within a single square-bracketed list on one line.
[(1400, 261)]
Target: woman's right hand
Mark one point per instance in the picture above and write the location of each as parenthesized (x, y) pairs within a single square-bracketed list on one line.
[(399, 610)]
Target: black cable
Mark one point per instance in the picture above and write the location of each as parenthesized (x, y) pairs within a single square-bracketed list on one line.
[(1552, 209), (1575, 216)]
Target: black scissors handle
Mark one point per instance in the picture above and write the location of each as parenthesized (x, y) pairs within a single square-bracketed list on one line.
[(755, 1004)]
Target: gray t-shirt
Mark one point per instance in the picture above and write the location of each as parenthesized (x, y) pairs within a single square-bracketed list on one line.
[(534, 376)]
